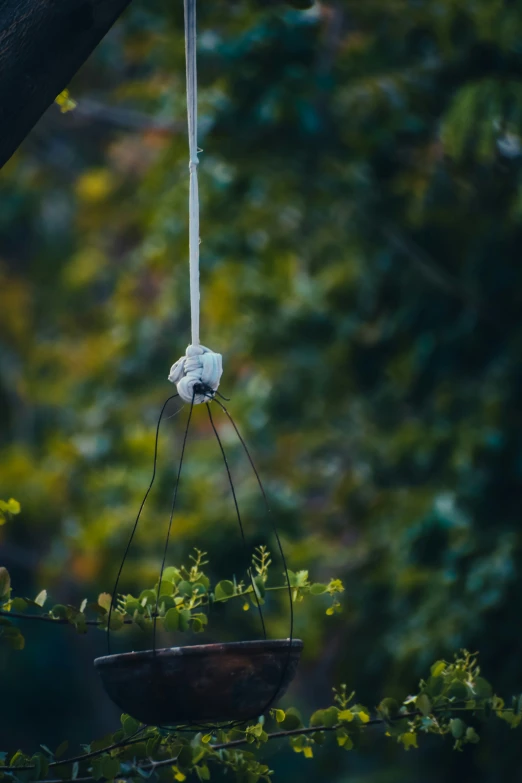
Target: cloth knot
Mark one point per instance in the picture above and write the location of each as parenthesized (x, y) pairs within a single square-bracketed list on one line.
[(197, 374)]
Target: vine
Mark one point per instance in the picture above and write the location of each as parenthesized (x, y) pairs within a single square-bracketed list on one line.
[(451, 702), (183, 593)]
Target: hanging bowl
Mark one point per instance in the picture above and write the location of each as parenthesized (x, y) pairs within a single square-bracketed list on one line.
[(207, 683)]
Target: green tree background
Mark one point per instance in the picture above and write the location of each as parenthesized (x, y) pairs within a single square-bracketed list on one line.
[(361, 232)]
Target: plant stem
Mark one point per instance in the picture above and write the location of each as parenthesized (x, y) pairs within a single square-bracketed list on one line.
[(84, 756), (232, 744), (47, 618)]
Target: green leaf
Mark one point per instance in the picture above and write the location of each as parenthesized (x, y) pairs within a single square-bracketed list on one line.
[(457, 728), (15, 638), (132, 605), (292, 720), (331, 717), (437, 668), (388, 708), (223, 590), (116, 621), (471, 735), (97, 771), (408, 740), (43, 764), (458, 691), (172, 574), (482, 689), (166, 602), (110, 767), (259, 586), (41, 598), (147, 598), (35, 761), (185, 588), (130, 725), (18, 605), (184, 619), (204, 580), (152, 745), (318, 589), (104, 600), (423, 704), (172, 620), (18, 759), (318, 737), (5, 582), (13, 506), (279, 715), (185, 756), (434, 686), (343, 739), (62, 747), (299, 579), (166, 587)]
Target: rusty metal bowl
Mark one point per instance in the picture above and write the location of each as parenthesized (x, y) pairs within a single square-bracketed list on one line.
[(207, 683)]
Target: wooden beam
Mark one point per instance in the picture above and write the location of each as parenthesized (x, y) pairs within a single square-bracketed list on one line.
[(42, 45)]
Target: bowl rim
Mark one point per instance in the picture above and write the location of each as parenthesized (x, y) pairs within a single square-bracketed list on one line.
[(221, 648)]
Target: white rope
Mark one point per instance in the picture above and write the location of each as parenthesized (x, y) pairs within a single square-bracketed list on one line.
[(200, 367), (192, 117)]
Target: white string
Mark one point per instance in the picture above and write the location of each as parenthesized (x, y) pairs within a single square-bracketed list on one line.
[(197, 374), (192, 117)]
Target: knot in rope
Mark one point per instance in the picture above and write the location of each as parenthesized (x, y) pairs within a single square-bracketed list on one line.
[(197, 374)]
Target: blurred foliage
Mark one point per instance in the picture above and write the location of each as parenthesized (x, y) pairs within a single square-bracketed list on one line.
[(361, 193)]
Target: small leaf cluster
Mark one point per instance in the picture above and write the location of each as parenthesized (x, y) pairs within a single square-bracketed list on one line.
[(65, 102), (301, 586), (175, 604)]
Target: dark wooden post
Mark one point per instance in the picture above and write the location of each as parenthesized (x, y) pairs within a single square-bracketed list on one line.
[(42, 45)]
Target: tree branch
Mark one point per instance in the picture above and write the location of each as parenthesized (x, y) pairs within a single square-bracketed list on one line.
[(42, 45), (171, 761), (85, 756), (152, 766), (46, 618)]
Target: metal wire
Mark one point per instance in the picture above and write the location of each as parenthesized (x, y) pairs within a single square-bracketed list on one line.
[(230, 724), (172, 509), (135, 526), (240, 523)]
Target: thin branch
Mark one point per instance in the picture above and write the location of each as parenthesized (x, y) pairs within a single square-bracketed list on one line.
[(132, 740), (57, 620), (222, 746), (308, 730), (128, 621), (152, 766)]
